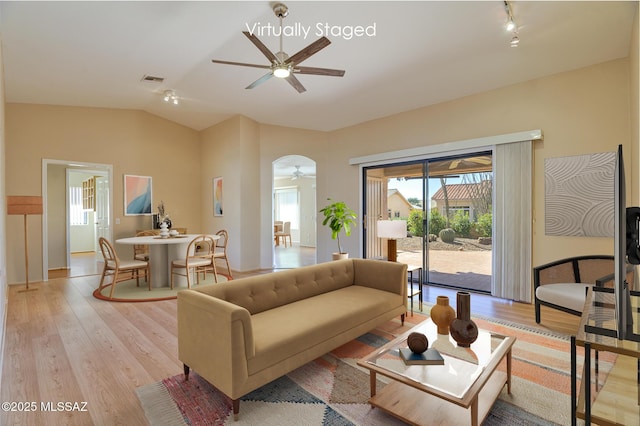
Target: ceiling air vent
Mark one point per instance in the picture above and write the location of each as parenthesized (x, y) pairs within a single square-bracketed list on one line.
[(152, 79)]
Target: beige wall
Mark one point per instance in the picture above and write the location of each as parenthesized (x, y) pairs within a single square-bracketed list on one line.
[(231, 150), (581, 111), (134, 142)]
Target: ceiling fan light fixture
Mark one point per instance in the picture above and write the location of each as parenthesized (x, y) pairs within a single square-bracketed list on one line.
[(515, 41), (171, 97), (282, 72)]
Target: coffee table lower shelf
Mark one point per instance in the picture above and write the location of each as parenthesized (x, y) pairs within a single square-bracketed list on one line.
[(416, 407)]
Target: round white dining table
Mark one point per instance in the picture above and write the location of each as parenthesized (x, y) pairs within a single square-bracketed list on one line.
[(163, 251)]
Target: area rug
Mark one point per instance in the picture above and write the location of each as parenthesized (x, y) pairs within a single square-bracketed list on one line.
[(128, 291), (332, 390)]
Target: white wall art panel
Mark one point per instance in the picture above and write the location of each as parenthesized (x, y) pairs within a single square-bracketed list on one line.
[(579, 192)]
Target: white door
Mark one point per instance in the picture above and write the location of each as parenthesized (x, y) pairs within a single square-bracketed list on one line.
[(102, 209)]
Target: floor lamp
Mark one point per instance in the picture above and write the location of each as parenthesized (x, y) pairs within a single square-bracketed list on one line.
[(392, 230), (25, 205)]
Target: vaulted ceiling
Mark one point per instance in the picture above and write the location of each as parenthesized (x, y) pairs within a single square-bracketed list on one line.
[(415, 54)]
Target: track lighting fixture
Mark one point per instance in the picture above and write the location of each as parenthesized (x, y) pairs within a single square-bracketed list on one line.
[(515, 40), (170, 96), (511, 25)]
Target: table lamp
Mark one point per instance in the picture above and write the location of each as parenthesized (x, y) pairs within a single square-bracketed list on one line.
[(392, 230)]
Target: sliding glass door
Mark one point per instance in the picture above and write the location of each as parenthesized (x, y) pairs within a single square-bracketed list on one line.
[(447, 203)]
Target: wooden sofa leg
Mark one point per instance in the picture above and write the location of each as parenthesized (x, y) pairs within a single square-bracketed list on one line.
[(185, 367), (236, 409), (402, 319)]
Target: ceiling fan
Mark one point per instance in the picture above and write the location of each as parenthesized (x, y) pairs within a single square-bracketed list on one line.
[(283, 65), (297, 174)]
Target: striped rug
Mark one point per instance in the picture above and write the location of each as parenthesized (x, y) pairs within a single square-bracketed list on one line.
[(332, 390)]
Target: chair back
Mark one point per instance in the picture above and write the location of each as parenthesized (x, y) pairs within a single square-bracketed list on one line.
[(221, 243), (201, 246), (277, 225), (287, 227), (108, 252), (142, 248)]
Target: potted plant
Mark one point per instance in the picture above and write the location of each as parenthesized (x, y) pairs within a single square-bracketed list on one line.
[(338, 216)]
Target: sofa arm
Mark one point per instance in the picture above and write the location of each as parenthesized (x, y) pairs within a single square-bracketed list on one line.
[(380, 274), (212, 333)]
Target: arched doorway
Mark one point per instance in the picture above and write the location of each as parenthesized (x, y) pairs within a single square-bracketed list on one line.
[(294, 201)]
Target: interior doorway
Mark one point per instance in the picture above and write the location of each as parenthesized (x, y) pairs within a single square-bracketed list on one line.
[(294, 202), (452, 193), (78, 206)]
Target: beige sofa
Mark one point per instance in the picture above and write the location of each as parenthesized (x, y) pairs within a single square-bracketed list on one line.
[(242, 334)]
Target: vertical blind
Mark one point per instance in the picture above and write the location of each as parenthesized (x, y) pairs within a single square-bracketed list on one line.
[(512, 219), (77, 215), (286, 206)]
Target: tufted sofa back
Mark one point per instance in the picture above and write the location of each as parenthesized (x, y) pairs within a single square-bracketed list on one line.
[(263, 292)]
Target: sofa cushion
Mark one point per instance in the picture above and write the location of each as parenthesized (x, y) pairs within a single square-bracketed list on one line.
[(289, 329), (569, 295), (263, 292)]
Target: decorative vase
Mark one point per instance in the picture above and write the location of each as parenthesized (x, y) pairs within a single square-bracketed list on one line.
[(168, 222), (164, 230), (417, 342), (442, 314), (463, 330)]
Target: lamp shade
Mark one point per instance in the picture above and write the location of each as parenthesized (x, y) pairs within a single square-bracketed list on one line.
[(392, 229)]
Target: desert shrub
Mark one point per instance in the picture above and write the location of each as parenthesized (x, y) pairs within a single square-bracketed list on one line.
[(414, 223), (461, 223), (437, 222), (484, 225)]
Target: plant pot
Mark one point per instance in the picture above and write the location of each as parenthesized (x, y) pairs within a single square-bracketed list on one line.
[(442, 314), (340, 256), (463, 330)]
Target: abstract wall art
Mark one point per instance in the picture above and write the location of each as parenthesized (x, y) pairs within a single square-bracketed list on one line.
[(579, 195), (217, 196), (137, 195)]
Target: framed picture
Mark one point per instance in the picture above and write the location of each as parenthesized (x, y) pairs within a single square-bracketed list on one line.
[(217, 196), (137, 195)]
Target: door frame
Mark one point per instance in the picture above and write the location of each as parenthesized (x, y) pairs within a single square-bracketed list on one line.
[(80, 165)]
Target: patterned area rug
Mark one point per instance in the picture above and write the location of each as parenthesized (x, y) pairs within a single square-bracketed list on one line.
[(128, 291), (332, 390)]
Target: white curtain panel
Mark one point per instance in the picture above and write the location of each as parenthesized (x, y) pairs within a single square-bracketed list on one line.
[(512, 217)]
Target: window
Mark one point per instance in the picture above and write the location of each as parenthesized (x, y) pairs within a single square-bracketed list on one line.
[(286, 206), (77, 215)]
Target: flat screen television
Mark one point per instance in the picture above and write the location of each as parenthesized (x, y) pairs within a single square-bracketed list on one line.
[(626, 250)]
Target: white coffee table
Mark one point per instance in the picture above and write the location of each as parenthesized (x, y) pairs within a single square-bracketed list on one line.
[(460, 392)]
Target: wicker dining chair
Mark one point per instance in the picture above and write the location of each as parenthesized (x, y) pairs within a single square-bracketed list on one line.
[(120, 270), (220, 251), (141, 251), (198, 259)]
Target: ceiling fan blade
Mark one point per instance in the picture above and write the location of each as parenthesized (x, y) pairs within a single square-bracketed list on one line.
[(311, 49), (260, 80), (295, 83), (319, 71), (242, 64), (264, 49)]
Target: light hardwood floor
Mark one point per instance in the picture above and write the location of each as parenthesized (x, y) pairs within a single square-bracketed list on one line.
[(63, 345)]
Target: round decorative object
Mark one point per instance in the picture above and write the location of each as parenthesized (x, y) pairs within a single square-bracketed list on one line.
[(442, 314), (463, 330), (417, 342)]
